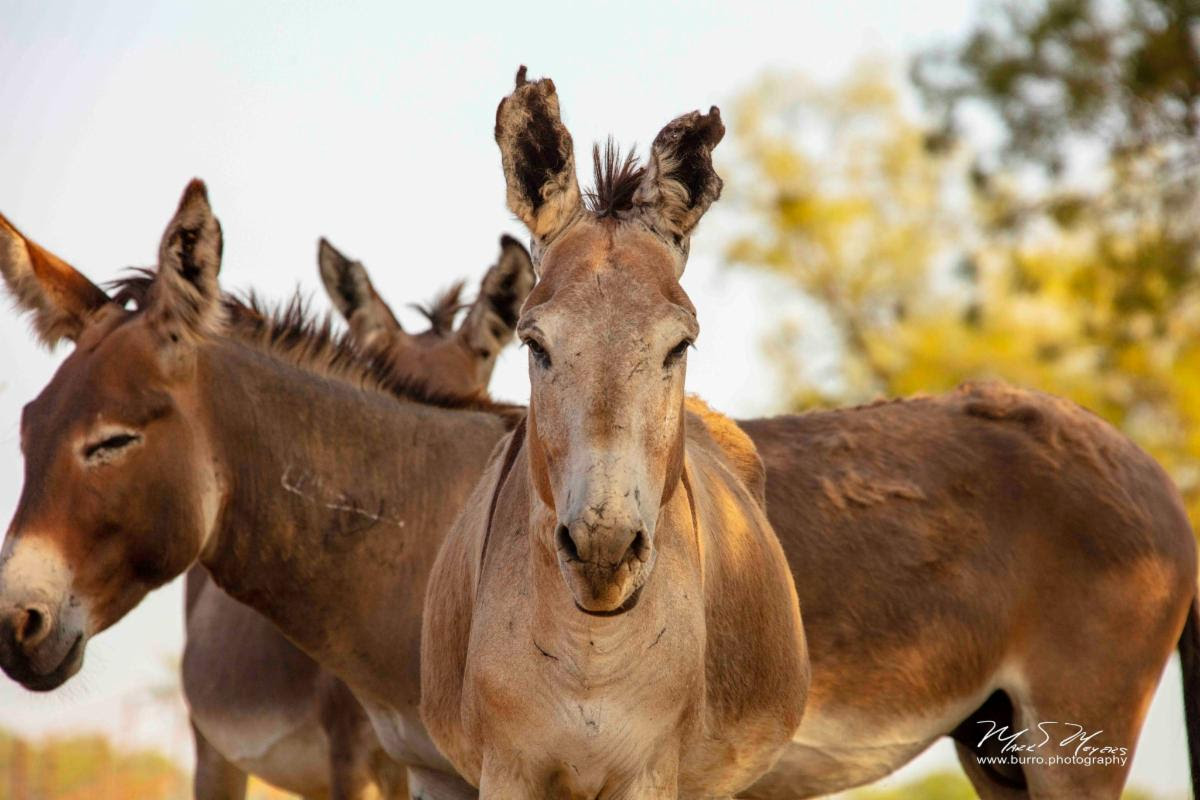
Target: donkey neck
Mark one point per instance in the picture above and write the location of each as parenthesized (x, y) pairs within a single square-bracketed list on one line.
[(335, 500)]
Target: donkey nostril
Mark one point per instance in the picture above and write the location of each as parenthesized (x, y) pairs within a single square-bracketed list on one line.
[(639, 548), (566, 544), (33, 626)]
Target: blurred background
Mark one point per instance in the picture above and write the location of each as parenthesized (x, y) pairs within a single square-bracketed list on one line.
[(916, 194)]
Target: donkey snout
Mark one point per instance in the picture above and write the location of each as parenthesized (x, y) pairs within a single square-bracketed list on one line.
[(37, 649), (604, 547), (604, 561), (42, 625)]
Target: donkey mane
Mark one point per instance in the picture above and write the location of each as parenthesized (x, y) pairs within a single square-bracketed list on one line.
[(444, 308), (616, 180), (291, 332)]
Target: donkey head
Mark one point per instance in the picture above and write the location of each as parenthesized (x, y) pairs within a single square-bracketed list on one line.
[(608, 328), (447, 360), (120, 491)]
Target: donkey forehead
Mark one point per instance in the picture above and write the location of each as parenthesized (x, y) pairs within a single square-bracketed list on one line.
[(114, 374), (100, 326), (433, 356), (597, 320), (601, 271), (593, 243)]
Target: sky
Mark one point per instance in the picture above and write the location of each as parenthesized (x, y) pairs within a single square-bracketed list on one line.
[(371, 124)]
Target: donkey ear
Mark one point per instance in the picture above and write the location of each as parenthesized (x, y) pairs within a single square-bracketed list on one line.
[(680, 182), (493, 316), (350, 289), (58, 296), (185, 295), (538, 158)]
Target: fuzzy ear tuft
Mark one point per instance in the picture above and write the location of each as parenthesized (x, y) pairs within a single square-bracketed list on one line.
[(186, 294), (680, 182), (346, 281), (493, 316), (60, 298), (351, 291), (538, 157)]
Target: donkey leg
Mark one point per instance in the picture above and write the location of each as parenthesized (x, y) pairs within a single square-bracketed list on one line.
[(351, 741), (1097, 777), (1088, 669), (1095, 729), (391, 778), (215, 778), (349, 778), (428, 784), (992, 770)]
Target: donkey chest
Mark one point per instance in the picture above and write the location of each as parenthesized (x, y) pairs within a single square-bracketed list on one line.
[(583, 715)]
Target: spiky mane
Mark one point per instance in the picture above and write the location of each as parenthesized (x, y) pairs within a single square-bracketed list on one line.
[(444, 308), (616, 178), (292, 332)]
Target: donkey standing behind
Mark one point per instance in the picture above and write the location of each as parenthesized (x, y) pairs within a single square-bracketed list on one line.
[(259, 705), (612, 615)]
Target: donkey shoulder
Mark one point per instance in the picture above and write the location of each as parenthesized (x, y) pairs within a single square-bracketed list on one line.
[(721, 434)]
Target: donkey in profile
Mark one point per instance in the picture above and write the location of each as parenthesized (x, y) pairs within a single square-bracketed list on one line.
[(312, 484), (258, 704), (612, 615)]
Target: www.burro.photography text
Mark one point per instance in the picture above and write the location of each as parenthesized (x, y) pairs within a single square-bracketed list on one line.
[(1051, 743)]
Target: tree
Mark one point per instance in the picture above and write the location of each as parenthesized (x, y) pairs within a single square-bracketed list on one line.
[(838, 195), (927, 258), (1094, 191)]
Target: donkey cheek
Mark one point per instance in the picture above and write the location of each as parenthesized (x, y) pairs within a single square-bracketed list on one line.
[(539, 465)]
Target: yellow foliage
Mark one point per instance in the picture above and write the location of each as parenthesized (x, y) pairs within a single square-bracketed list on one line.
[(85, 768), (921, 282)]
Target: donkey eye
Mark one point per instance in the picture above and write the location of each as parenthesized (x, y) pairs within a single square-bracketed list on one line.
[(109, 445), (539, 353), (677, 352)]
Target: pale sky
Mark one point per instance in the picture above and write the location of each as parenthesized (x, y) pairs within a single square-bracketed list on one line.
[(372, 124)]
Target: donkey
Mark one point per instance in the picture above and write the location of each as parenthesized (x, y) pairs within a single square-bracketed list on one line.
[(612, 615), (455, 362), (884, 502), (272, 455), (258, 704)]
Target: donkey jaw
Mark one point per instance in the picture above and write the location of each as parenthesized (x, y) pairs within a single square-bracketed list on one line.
[(23, 672), (628, 605), (605, 590)]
